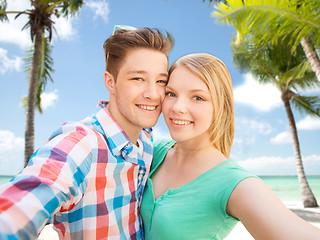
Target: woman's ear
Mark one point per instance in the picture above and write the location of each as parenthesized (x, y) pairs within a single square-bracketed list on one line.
[(109, 81)]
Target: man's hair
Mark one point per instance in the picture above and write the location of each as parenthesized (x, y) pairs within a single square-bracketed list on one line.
[(218, 80), (118, 45)]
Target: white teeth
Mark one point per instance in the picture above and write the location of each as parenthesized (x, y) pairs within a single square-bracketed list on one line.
[(146, 107), (181, 122)]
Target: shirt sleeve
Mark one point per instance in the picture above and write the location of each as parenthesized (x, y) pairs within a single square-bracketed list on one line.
[(54, 180), (230, 177)]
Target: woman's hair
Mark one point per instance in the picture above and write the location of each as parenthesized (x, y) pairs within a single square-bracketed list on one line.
[(218, 80), (118, 45)]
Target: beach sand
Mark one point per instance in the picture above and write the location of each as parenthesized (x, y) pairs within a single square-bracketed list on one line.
[(311, 215)]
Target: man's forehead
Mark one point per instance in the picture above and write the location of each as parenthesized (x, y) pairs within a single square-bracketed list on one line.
[(144, 60)]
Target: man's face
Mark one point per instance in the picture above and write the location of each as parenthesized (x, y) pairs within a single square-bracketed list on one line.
[(137, 93)]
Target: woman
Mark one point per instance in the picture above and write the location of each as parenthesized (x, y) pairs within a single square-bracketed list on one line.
[(194, 191)]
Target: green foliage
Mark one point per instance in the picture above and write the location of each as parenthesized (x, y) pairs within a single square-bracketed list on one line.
[(307, 104), (70, 7), (267, 21), (3, 7), (275, 63), (215, 1), (45, 70), (40, 15), (41, 26)]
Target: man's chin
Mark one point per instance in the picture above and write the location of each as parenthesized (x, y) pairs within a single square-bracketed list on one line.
[(148, 125)]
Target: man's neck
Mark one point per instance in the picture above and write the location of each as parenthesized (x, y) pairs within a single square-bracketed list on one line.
[(132, 131)]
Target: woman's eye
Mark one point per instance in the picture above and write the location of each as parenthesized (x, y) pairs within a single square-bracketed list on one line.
[(197, 98), (170, 94)]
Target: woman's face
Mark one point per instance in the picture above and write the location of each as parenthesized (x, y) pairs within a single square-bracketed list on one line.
[(187, 107)]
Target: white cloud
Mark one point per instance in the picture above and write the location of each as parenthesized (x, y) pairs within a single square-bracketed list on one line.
[(246, 132), (64, 29), (11, 153), (281, 166), (260, 127), (13, 29), (7, 64), (282, 138), (261, 97), (49, 99), (309, 123), (100, 9)]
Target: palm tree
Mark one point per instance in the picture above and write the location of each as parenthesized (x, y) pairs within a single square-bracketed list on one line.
[(290, 73), (265, 21), (41, 26), (45, 70)]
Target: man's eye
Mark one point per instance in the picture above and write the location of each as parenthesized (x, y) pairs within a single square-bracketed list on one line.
[(137, 79), (170, 94), (162, 82)]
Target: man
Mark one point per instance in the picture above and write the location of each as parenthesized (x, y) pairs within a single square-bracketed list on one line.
[(90, 175)]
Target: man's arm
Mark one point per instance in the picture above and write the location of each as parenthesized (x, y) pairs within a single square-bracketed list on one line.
[(53, 181)]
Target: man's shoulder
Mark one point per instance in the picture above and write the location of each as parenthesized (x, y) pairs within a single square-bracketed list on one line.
[(74, 127)]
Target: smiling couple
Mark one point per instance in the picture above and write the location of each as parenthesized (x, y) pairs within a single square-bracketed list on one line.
[(90, 176)]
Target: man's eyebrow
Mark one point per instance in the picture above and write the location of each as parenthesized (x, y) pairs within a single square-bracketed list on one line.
[(144, 72), (164, 74), (136, 71)]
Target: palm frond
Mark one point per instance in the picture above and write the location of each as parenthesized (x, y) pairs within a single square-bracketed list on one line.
[(307, 104), (45, 68), (300, 78), (215, 1), (249, 57), (295, 73), (3, 7), (272, 20), (71, 7), (275, 62)]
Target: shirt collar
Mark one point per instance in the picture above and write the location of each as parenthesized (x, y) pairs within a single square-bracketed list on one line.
[(118, 141)]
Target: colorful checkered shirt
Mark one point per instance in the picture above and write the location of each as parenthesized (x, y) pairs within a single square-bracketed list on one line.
[(88, 179)]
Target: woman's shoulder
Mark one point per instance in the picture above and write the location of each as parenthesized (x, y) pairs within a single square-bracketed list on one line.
[(231, 173), (160, 149)]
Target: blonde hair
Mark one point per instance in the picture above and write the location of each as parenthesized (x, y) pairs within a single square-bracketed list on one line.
[(218, 80)]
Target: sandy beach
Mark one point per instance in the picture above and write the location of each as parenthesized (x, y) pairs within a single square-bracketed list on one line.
[(311, 215)]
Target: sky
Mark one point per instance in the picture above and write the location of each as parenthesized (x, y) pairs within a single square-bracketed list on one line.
[(262, 141)]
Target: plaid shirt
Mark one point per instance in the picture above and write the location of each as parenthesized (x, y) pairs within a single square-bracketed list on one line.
[(88, 179)]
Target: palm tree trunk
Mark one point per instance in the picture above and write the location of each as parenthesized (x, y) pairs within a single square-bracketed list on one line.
[(311, 55), (33, 82), (308, 198)]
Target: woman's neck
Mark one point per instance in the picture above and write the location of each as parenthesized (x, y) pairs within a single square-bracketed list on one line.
[(182, 152)]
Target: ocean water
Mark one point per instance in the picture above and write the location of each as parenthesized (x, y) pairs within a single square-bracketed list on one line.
[(287, 188), (4, 179)]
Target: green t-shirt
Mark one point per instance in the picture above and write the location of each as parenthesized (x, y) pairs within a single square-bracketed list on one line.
[(196, 210)]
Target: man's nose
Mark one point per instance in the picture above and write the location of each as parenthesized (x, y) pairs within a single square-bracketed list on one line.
[(152, 91)]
